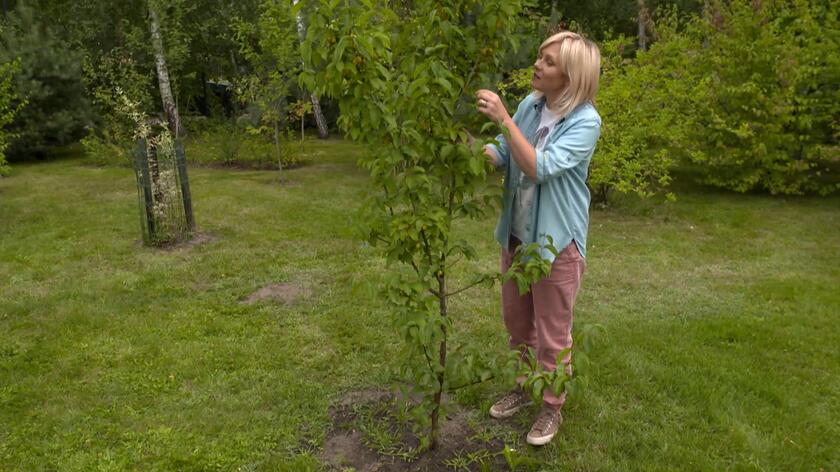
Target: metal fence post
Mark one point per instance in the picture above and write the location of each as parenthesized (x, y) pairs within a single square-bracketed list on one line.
[(141, 164), (181, 162)]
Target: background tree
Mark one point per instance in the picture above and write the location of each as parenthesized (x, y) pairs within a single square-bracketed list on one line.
[(7, 108), (604, 19), (170, 108), (49, 80), (201, 45), (642, 19), (271, 48), (111, 44), (320, 120)]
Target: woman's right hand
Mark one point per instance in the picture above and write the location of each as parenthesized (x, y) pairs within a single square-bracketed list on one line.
[(491, 105)]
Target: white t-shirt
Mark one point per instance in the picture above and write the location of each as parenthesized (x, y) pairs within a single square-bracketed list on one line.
[(524, 197)]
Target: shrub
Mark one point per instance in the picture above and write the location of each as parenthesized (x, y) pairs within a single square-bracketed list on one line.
[(746, 92), (228, 144), (7, 109), (770, 120), (647, 104)]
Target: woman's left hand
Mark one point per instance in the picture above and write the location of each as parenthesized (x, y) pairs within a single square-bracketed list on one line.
[(491, 105)]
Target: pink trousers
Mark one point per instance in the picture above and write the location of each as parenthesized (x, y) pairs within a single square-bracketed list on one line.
[(542, 318)]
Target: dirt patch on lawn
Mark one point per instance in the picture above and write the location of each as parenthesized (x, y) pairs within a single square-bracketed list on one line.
[(285, 293), (368, 437), (198, 238)]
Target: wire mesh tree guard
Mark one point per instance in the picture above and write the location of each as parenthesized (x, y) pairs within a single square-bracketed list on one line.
[(163, 191)]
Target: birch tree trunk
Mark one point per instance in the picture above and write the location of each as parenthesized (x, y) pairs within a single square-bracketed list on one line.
[(323, 131), (169, 106), (553, 19), (642, 20)]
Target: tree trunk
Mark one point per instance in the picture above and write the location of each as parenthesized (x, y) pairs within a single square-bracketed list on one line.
[(205, 100), (442, 362), (553, 19), (169, 106), (277, 151), (233, 62), (642, 19), (323, 131)]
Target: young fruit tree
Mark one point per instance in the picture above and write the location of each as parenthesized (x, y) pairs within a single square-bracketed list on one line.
[(404, 75), (270, 46)]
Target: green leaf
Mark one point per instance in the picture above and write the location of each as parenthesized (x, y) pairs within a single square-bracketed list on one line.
[(487, 126), (581, 362), (561, 355), (339, 52), (558, 385)]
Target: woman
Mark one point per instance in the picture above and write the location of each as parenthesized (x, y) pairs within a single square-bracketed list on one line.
[(546, 159)]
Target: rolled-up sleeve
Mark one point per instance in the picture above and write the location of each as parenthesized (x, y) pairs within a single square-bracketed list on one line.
[(568, 150), (502, 150)]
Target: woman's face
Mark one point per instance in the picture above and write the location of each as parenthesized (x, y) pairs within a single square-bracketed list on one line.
[(548, 78)]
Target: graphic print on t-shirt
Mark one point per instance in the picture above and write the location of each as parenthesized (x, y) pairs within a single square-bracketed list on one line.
[(524, 196)]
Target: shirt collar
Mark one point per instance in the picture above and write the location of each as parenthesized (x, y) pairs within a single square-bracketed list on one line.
[(540, 104)]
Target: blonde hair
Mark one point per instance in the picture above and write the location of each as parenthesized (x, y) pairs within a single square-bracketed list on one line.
[(580, 61)]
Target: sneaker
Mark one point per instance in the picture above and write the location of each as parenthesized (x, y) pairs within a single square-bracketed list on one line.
[(510, 404), (546, 426)]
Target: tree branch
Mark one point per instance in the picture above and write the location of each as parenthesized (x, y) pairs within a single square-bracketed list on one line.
[(457, 260), (428, 359), (452, 389), (481, 280)]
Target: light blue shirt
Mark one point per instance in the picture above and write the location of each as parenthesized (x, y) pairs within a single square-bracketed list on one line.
[(523, 198), (561, 203)]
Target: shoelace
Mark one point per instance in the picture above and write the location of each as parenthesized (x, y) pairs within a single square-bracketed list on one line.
[(511, 399), (545, 420)]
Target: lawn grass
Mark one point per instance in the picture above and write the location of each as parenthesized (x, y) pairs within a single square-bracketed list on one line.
[(721, 311)]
